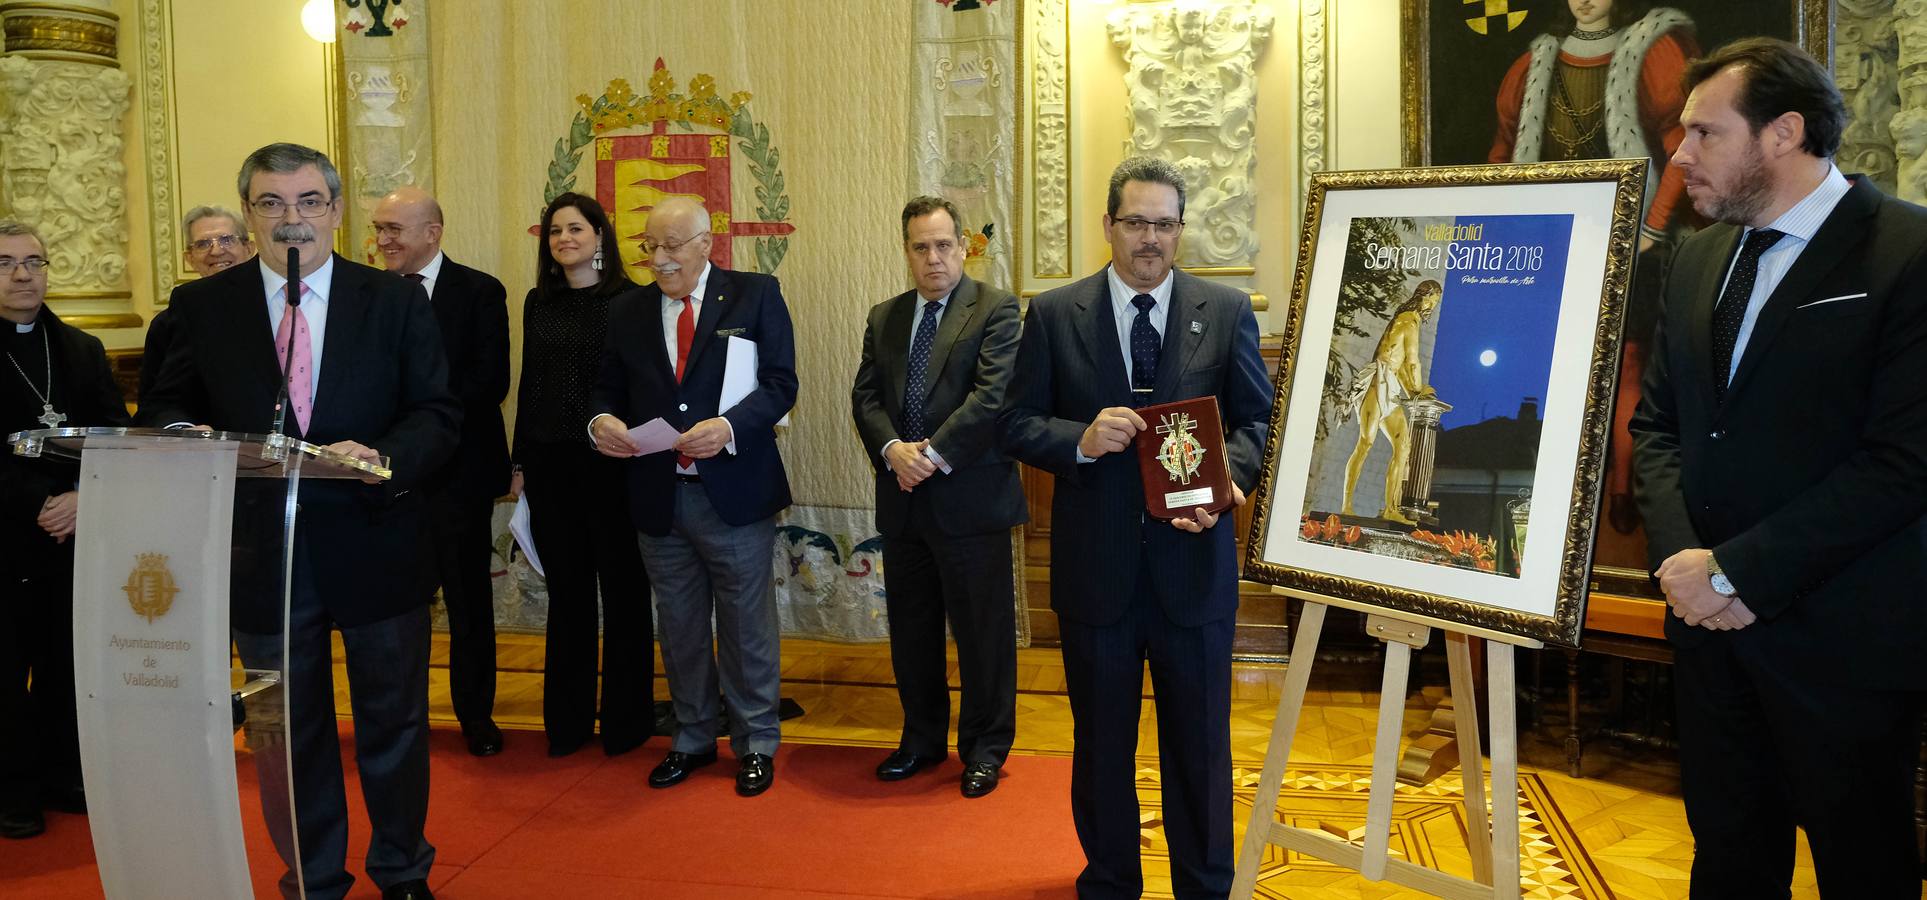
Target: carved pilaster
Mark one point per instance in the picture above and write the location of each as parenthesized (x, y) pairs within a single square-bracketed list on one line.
[(1312, 91), (1051, 140), (1909, 126), (1866, 71), (1192, 82), (60, 170)]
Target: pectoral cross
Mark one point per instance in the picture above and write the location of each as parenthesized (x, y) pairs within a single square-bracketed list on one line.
[(50, 418)]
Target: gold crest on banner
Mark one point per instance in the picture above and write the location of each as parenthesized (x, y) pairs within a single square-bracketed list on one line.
[(150, 587)]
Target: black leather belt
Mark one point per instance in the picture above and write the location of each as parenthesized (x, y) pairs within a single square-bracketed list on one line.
[(689, 479)]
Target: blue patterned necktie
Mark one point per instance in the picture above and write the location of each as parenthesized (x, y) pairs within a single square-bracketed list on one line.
[(1731, 311), (1145, 347), (913, 424)]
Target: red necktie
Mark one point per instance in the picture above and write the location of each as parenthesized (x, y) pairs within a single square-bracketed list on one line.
[(685, 335)]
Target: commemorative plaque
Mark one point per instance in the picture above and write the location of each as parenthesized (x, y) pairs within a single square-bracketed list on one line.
[(1180, 454)]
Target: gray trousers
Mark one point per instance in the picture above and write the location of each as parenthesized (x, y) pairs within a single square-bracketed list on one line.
[(706, 567)]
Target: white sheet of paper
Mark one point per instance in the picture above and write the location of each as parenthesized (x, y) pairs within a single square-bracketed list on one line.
[(654, 436), (519, 527), (739, 375)]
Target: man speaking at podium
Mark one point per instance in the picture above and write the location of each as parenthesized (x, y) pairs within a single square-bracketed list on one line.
[(368, 378)]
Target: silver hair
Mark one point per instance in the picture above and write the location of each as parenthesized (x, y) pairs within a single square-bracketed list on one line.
[(16, 228), (1143, 168), (280, 158), (213, 212)]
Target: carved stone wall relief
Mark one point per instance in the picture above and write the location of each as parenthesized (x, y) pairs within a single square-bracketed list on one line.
[(1192, 85), (1051, 141)]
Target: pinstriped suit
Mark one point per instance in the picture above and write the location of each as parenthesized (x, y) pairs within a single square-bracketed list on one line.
[(1128, 589)]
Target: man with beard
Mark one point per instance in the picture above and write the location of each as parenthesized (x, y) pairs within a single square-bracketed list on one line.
[(1782, 470), (54, 376), (1129, 589), (216, 239), (472, 309), (367, 378)]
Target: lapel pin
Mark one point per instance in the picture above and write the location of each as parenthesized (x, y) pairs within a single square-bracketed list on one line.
[(1197, 327)]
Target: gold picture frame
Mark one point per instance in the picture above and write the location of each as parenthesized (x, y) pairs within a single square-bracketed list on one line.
[(1449, 284)]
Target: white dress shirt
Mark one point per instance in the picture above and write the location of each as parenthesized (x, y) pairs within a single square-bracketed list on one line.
[(671, 311), (430, 273), (314, 308), (1125, 313)]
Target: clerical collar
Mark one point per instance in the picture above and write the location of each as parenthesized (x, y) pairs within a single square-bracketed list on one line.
[(25, 328)]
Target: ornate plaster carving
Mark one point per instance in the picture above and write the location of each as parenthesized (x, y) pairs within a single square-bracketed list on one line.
[(61, 171), (1312, 118), (1193, 92), (1909, 126), (1866, 72), (1051, 141), (158, 149)]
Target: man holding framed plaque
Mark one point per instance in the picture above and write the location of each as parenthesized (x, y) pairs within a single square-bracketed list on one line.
[(1129, 587), (1782, 469)]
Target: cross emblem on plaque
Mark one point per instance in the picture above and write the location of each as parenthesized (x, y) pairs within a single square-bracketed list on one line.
[(1180, 453)]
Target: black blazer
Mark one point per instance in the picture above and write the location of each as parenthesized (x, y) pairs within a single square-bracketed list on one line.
[(471, 308), (1810, 482), (1068, 368), (160, 336), (967, 377), (635, 383), (384, 383), (83, 390)]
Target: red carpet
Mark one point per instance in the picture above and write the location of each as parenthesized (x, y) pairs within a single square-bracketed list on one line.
[(521, 825)]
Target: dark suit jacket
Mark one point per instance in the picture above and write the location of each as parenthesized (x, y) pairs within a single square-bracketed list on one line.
[(1809, 482), (384, 383), (471, 308), (636, 383), (1068, 368), (160, 336), (968, 376), (84, 391)]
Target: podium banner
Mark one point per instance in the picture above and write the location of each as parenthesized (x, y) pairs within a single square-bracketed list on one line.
[(152, 676)]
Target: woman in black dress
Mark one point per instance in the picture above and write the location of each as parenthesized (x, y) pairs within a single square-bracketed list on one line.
[(578, 512)]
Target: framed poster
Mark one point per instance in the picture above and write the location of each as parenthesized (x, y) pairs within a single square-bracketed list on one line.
[(1549, 80), (1445, 392)]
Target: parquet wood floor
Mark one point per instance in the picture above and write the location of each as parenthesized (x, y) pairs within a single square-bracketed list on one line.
[(1619, 833)]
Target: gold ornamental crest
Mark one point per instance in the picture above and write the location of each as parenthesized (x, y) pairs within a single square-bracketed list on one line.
[(1180, 453), (150, 587)]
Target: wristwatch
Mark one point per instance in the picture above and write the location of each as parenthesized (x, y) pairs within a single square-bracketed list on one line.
[(1722, 585)]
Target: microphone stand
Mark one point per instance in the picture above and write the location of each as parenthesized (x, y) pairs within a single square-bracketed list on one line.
[(277, 435)]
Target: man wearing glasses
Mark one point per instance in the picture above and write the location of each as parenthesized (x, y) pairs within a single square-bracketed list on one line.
[(368, 378), (1129, 589), (706, 507), (216, 239), (54, 376)]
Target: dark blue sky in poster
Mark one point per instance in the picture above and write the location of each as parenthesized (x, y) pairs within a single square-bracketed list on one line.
[(1495, 331)]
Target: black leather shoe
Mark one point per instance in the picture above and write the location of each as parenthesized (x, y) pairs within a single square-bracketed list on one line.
[(561, 748), (620, 742), (407, 890), (902, 764), (758, 771), (484, 739), (979, 778), (21, 822), (677, 765)]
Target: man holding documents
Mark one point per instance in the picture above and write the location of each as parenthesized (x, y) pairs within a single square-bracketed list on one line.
[(936, 364), (1128, 588), (706, 505)]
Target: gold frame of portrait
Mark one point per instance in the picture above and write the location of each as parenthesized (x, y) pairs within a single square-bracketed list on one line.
[(1602, 371)]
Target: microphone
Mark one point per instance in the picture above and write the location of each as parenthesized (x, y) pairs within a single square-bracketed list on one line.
[(287, 363)]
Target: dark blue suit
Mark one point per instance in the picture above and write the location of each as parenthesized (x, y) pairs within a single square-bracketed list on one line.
[(707, 538), (383, 383), (1128, 588)]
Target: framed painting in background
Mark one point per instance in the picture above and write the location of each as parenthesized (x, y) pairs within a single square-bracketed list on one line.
[(1487, 82), (1444, 392)]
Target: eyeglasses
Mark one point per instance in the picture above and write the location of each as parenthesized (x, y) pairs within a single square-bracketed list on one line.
[(651, 245), (390, 230), (34, 265), (1137, 225), (224, 241), (275, 207)]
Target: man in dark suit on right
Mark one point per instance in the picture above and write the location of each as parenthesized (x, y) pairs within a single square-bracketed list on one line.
[(1128, 588), (936, 365), (1781, 455)]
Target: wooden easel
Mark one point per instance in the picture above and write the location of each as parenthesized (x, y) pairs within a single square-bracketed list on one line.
[(1492, 833)]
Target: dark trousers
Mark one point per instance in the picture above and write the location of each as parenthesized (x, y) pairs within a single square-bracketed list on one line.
[(579, 518), (1765, 748), (1191, 682), (930, 577), (387, 665), (455, 558), (39, 738)]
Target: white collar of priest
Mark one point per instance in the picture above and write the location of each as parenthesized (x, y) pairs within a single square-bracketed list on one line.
[(25, 327)]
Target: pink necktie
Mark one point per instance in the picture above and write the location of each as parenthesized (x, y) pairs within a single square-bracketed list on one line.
[(299, 393)]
